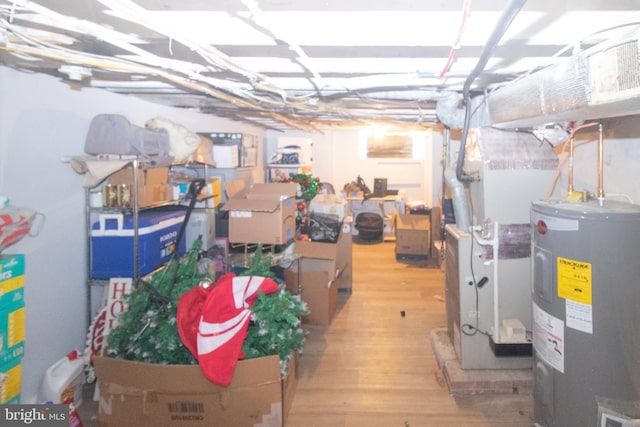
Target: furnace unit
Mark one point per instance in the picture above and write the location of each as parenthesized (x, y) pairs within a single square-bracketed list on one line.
[(509, 170)]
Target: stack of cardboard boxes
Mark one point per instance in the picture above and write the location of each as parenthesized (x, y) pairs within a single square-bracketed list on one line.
[(265, 213), (320, 272), (133, 393), (11, 326)]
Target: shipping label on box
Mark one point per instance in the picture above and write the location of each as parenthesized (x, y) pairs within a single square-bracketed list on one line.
[(11, 279), (143, 394), (11, 332)]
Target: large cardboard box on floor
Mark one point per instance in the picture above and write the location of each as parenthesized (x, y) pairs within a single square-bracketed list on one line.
[(412, 235), (316, 277), (144, 394), (265, 213)]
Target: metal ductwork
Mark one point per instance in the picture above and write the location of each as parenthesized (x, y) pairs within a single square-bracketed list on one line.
[(594, 84)]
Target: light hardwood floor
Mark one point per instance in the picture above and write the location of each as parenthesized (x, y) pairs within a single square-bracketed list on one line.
[(372, 366)]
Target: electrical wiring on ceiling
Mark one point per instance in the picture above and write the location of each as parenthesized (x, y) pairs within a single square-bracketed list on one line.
[(456, 44), (256, 94)]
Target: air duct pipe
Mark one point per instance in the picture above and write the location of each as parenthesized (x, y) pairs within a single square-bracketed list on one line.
[(459, 200), (508, 15), (597, 83)]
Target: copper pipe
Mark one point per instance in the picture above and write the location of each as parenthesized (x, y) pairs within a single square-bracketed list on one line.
[(600, 165), (571, 146)]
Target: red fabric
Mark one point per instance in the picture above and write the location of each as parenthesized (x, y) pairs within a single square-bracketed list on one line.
[(224, 315), (189, 312)]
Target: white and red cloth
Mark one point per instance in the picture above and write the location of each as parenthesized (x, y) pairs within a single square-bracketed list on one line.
[(212, 322), (15, 223)]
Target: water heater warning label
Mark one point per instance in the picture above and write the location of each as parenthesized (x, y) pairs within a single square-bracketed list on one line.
[(575, 286), (574, 280), (548, 338)]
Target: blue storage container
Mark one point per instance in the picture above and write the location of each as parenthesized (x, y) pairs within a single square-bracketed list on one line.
[(112, 242)]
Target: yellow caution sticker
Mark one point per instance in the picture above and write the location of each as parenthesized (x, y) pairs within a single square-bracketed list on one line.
[(574, 280)]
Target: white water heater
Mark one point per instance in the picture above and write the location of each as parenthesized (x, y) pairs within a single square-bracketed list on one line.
[(586, 312)]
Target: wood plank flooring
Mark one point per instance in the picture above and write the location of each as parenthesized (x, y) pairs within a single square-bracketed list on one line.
[(372, 366)]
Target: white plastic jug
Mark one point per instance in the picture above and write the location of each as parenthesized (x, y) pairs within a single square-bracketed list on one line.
[(63, 380)]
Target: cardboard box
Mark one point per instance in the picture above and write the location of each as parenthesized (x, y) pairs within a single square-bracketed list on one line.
[(320, 274), (112, 242), (215, 188), (11, 332), (152, 184), (11, 279), (143, 394), (266, 213), (412, 235), (330, 204), (437, 232), (202, 222)]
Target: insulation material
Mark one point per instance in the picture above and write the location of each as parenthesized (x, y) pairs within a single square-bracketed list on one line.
[(558, 88), (506, 150), (514, 242)]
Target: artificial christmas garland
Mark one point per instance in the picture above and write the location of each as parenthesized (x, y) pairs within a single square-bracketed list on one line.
[(147, 330), (308, 185)]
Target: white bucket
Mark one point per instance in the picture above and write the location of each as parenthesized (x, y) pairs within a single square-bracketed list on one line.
[(63, 380)]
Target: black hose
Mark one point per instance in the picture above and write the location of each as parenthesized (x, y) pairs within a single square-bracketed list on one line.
[(508, 15)]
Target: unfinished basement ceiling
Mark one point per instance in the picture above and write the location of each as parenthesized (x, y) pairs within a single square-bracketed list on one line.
[(304, 64)]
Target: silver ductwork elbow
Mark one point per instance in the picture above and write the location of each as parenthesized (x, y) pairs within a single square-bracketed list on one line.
[(459, 200), (450, 112)]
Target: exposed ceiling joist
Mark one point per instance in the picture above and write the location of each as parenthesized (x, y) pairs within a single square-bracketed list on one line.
[(301, 64)]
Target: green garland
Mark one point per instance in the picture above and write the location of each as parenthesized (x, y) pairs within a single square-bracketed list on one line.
[(307, 183), (147, 331), (275, 327), (275, 324)]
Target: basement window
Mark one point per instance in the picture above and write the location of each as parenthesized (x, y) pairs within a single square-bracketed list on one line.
[(377, 144)]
